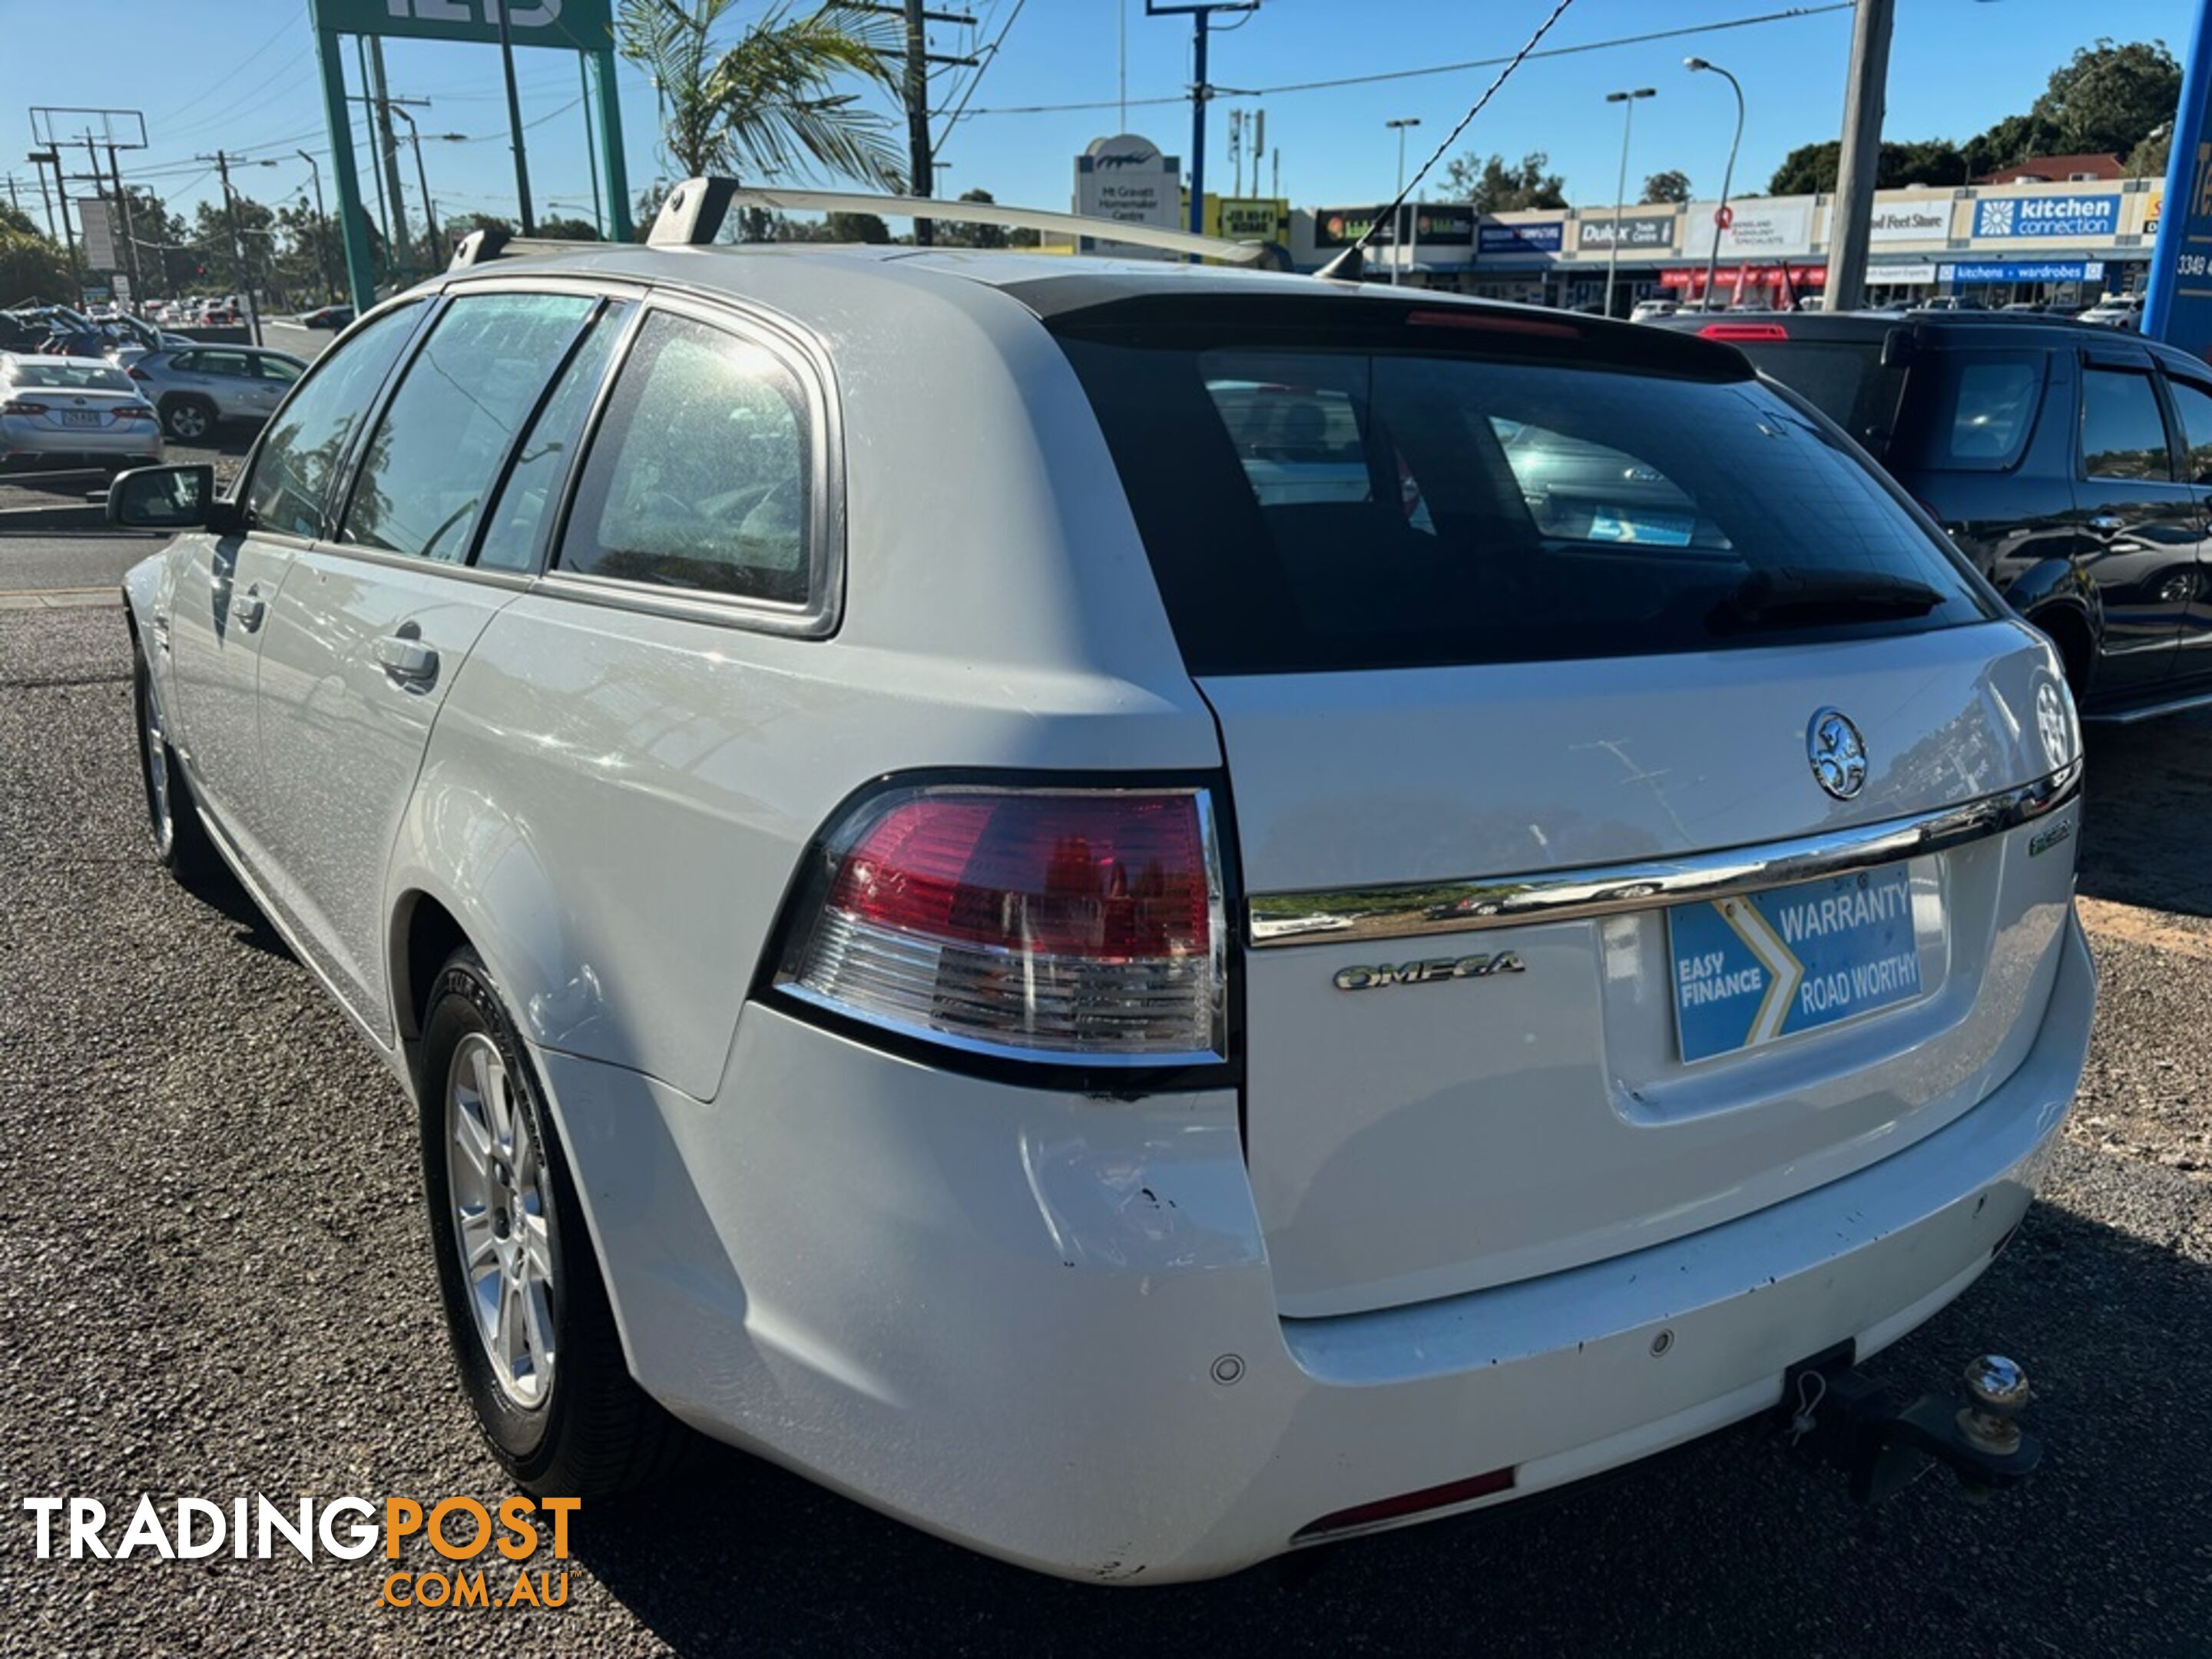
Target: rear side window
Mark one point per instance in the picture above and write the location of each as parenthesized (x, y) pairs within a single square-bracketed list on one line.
[(1972, 411), (293, 469), (1448, 509), (2123, 434), (699, 477), (511, 529), (435, 455)]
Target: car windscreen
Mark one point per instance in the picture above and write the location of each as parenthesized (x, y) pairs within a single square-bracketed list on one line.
[(1310, 508), (1845, 380), (69, 377)]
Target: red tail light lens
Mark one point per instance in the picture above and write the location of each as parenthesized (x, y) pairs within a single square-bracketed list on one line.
[(138, 374), (1083, 924), (21, 406), (1743, 332), (133, 412)]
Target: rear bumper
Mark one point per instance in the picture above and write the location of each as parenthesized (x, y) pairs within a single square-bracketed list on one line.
[(1044, 1326)]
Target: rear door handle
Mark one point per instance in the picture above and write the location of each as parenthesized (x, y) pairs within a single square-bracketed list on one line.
[(247, 608), (405, 661), (2107, 524)]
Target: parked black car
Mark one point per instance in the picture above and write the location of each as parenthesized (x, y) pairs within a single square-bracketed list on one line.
[(2072, 464)]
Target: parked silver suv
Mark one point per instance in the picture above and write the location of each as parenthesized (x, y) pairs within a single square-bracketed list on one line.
[(198, 388)]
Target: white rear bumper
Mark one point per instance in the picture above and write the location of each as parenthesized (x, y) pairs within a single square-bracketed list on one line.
[(1001, 1314)]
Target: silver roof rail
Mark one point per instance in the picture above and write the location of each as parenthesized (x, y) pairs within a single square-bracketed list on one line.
[(697, 209)]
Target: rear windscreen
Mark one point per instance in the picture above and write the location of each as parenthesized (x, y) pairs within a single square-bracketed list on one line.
[(1845, 380), (1307, 508)]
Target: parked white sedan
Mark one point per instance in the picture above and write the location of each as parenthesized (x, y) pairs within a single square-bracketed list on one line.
[(954, 923), (62, 414)]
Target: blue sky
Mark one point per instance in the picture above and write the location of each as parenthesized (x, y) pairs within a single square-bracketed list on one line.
[(241, 74)]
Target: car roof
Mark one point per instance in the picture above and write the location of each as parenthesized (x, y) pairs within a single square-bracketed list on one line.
[(783, 276), (1935, 330)]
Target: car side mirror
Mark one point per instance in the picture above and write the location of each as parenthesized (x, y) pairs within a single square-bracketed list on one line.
[(167, 498)]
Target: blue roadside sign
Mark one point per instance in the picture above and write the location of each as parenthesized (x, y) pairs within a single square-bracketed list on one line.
[(2177, 301)]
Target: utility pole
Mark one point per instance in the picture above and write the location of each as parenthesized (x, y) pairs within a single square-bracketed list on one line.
[(422, 177), (322, 232), (52, 157), (129, 232), (387, 143), (1398, 258), (1850, 215), (1201, 16), (923, 174), (514, 124), (221, 161)]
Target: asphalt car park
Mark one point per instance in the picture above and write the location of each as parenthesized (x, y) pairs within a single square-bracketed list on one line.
[(215, 1278)]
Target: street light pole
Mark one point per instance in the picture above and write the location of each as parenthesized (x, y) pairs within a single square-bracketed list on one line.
[(1728, 175), (422, 178), (1397, 248), (322, 231), (1627, 102)]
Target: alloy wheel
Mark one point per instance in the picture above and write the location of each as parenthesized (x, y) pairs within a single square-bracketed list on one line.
[(502, 1220), (188, 421)]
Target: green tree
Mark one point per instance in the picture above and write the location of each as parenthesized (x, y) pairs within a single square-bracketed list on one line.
[(2147, 159), (1671, 186), (857, 227), (768, 101), (958, 233), (32, 264), (1812, 168), (2109, 97), (1494, 185), (568, 230)]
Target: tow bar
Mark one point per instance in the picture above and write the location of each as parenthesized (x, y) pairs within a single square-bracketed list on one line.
[(1836, 1414)]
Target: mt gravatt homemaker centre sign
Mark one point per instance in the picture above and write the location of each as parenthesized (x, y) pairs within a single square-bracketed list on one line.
[(1126, 177)]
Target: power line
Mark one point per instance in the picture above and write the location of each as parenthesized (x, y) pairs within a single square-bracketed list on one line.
[(1787, 15)]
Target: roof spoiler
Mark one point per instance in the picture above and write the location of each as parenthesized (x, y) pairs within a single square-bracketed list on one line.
[(696, 210)]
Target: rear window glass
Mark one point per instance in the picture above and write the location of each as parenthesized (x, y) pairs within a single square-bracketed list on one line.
[(1308, 509), (1972, 411), (70, 377), (1842, 378)]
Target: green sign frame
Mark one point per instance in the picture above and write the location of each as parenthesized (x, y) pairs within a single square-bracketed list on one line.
[(584, 26)]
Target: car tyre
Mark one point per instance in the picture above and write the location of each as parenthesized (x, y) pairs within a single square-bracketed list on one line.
[(181, 841), (533, 1334), (187, 420)]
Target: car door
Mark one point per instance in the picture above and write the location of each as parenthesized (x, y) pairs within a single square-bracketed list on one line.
[(227, 379), (227, 582), (372, 624), (272, 379), (2190, 397), (2136, 524)]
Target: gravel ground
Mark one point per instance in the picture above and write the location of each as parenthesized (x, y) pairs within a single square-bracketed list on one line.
[(214, 1278)]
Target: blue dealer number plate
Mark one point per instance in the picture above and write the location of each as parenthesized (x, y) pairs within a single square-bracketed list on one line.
[(1771, 964)]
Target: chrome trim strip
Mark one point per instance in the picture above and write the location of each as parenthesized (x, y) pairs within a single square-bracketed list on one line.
[(1412, 909), (2151, 711)]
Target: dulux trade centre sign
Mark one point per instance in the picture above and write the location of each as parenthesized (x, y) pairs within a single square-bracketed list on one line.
[(586, 26)]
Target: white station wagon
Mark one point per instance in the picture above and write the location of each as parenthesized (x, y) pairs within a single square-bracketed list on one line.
[(1139, 913)]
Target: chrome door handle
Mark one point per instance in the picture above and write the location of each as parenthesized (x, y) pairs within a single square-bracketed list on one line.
[(405, 661), (248, 608), (2107, 522)]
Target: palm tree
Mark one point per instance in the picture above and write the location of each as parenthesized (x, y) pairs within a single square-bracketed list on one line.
[(768, 103)]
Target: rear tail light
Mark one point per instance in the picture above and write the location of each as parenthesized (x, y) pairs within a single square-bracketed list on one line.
[(1084, 924), (138, 374), (21, 406), (1743, 332), (133, 412)]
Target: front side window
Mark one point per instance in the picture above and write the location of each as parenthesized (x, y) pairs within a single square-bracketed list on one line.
[(435, 455), (292, 472), (2122, 435), (699, 477), (279, 369)]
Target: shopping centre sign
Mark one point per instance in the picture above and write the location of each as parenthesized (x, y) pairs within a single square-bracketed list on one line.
[(2059, 218)]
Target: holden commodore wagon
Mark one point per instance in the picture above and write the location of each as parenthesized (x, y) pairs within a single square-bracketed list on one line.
[(1140, 913)]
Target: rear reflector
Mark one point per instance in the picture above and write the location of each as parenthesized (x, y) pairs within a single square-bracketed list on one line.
[(1408, 1504), (1743, 332), (1076, 924)]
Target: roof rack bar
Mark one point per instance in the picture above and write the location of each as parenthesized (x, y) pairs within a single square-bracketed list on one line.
[(697, 209)]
